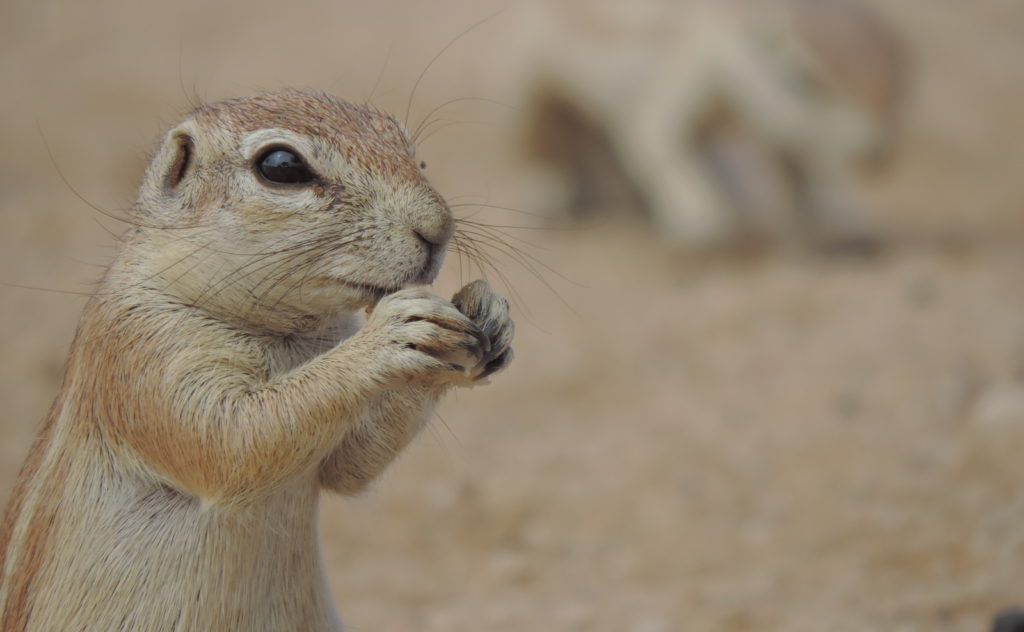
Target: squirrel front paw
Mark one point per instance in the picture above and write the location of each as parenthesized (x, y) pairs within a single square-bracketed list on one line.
[(490, 312), (425, 338)]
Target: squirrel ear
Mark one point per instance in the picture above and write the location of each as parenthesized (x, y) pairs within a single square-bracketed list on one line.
[(176, 157), (183, 147)]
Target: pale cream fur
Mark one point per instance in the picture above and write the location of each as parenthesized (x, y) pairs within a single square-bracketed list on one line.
[(222, 376), (770, 90)]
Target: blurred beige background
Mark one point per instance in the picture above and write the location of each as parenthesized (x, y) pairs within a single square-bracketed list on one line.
[(778, 442)]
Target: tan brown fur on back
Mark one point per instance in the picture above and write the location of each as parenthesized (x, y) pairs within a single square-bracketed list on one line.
[(223, 375)]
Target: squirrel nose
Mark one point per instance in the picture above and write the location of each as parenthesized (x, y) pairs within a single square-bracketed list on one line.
[(435, 227)]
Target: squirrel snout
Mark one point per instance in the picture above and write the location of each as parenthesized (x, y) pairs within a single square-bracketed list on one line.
[(435, 228)]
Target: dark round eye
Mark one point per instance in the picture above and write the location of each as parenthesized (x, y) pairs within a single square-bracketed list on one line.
[(283, 166)]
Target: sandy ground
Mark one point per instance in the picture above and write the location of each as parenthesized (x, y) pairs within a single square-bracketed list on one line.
[(778, 442)]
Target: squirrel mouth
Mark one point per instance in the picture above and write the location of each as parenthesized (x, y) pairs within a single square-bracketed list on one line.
[(370, 291), (375, 292)]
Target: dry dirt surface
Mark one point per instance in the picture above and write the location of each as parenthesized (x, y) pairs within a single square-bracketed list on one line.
[(725, 443)]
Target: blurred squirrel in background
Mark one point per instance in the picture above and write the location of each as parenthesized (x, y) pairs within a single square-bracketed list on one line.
[(724, 120)]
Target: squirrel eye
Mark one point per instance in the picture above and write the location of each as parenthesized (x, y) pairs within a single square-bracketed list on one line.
[(282, 166)]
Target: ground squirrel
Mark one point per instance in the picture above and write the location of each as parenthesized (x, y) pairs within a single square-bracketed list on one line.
[(723, 119), (222, 374)]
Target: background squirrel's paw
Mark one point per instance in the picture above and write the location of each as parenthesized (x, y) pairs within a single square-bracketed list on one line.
[(427, 338), (490, 311)]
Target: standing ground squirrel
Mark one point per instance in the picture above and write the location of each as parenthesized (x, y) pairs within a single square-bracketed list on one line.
[(219, 377)]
